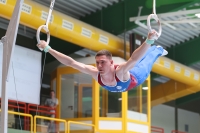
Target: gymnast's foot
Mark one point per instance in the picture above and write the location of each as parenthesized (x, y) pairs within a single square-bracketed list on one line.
[(164, 51)]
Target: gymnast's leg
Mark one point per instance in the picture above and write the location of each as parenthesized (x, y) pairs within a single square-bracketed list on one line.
[(143, 68)]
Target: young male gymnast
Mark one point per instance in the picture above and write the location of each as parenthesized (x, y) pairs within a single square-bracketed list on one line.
[(116, 77)]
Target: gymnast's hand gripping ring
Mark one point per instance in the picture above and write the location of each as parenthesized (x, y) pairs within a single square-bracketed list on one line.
[(154, 16), (38, 34)]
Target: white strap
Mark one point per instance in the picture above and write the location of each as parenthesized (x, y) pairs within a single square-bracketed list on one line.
[(50, 11), (154, 7), (154, 16)]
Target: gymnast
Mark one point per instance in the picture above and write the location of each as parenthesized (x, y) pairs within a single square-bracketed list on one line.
[(116, 77)]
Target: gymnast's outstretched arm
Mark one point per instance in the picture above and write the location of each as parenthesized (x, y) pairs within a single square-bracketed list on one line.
[(68, 61), (137, 54)]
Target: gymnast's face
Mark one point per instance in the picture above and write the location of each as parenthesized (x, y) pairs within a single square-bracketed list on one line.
[(103, 64)]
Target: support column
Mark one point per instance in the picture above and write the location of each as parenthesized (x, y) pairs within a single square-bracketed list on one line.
[(176, 116), (8, 43)]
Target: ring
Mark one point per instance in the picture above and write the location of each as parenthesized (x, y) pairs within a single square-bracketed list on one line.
[(154, 16), (38, 34)]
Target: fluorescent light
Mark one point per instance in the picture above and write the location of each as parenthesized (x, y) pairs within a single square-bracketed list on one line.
[(198, 15), (46, 86), (145, 88)]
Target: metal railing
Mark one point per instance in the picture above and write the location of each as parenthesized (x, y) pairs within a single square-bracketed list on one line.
[(82, 124), (39, 108), (51, 119), (156, 129), (18, 106), (26, 115), (176, 131)]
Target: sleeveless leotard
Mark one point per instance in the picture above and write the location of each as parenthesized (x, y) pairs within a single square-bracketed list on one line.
[(121, 86)]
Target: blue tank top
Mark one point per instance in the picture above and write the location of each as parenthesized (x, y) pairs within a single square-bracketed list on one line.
[(121, 86)]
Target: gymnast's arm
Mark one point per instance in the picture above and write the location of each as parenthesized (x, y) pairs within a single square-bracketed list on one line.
[(68, 61), (136, 55)]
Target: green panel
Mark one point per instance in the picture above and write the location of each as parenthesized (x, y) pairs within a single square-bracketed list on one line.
[(154, 75), (186, 53), (17, 131), (115, 18), (86, 99), (159, 3), (187, 99)]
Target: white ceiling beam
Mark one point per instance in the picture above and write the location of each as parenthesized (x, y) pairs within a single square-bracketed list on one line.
[(183, 21), (189, 34), (163, 15)]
